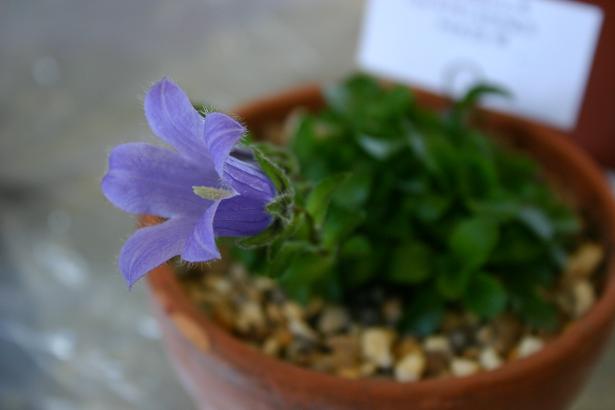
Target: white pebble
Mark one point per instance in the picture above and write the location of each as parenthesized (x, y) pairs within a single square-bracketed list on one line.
[(463, 367), (489, 359), (410, 367), (299, 328), (529, 345), (438, 344), (376, 346)]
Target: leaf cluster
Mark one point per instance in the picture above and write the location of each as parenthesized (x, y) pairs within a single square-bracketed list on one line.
[(375, 191)]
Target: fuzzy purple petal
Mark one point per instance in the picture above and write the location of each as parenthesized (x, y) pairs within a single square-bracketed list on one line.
[(145, 179), (201, 244), (248, 180), (173, 119), (222, 132), (152, 246), (241, 216)]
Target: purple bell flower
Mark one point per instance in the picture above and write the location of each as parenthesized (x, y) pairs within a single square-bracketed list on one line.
[(201, 189)]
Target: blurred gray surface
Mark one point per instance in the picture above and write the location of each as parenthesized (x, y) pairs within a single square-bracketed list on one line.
[(72, 76)]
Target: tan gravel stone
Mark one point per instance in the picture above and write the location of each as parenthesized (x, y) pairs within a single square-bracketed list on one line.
[(332, 320), (407, 345), (437, 344), (274, 313), (463, 367), (345, 351), (300, 328), (293, 311), (528, 346), (584, 297), (250, 317), (368, 369), (376, 344), (411, 367), (489, 359), (350, 372), (585, 260), (271, 346)]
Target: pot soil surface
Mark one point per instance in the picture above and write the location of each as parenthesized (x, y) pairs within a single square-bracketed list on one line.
[(362, 340)]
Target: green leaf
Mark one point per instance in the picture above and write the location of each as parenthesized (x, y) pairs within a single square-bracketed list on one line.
[(355, 246), (472, 241), (424, 313), (517, 246), (282, 258), (412, 263), (477, 178), (420, 148), (265, 238), (473, 95), (380, 148), (535, 310), (250, 258), (340, 96), (452, 279), (565, 221), (354, 191), (430, 207), (537, 221), (340, 223), (305, 267), (308, 266), (318, 200), (500, 207), (485, 296)]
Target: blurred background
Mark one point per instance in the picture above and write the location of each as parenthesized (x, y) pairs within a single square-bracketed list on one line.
[(72, 77)]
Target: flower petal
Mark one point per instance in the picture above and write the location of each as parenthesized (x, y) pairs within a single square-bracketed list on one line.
[(201, 245), (221, 133), (152, 246), (241, 216), (248, 180), (172, 118), (145, 179)]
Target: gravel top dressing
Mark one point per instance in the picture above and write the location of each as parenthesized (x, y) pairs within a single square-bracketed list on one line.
[(364, 341)]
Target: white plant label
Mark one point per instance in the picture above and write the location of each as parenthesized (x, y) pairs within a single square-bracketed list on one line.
[(539, 50)]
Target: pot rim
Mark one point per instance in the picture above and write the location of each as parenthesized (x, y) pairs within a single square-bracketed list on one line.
[(207, 336)]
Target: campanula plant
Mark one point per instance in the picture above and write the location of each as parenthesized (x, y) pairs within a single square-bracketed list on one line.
[(370, 192)]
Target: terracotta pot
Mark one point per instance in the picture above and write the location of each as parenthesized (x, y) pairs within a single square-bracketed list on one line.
[(222, 373)]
